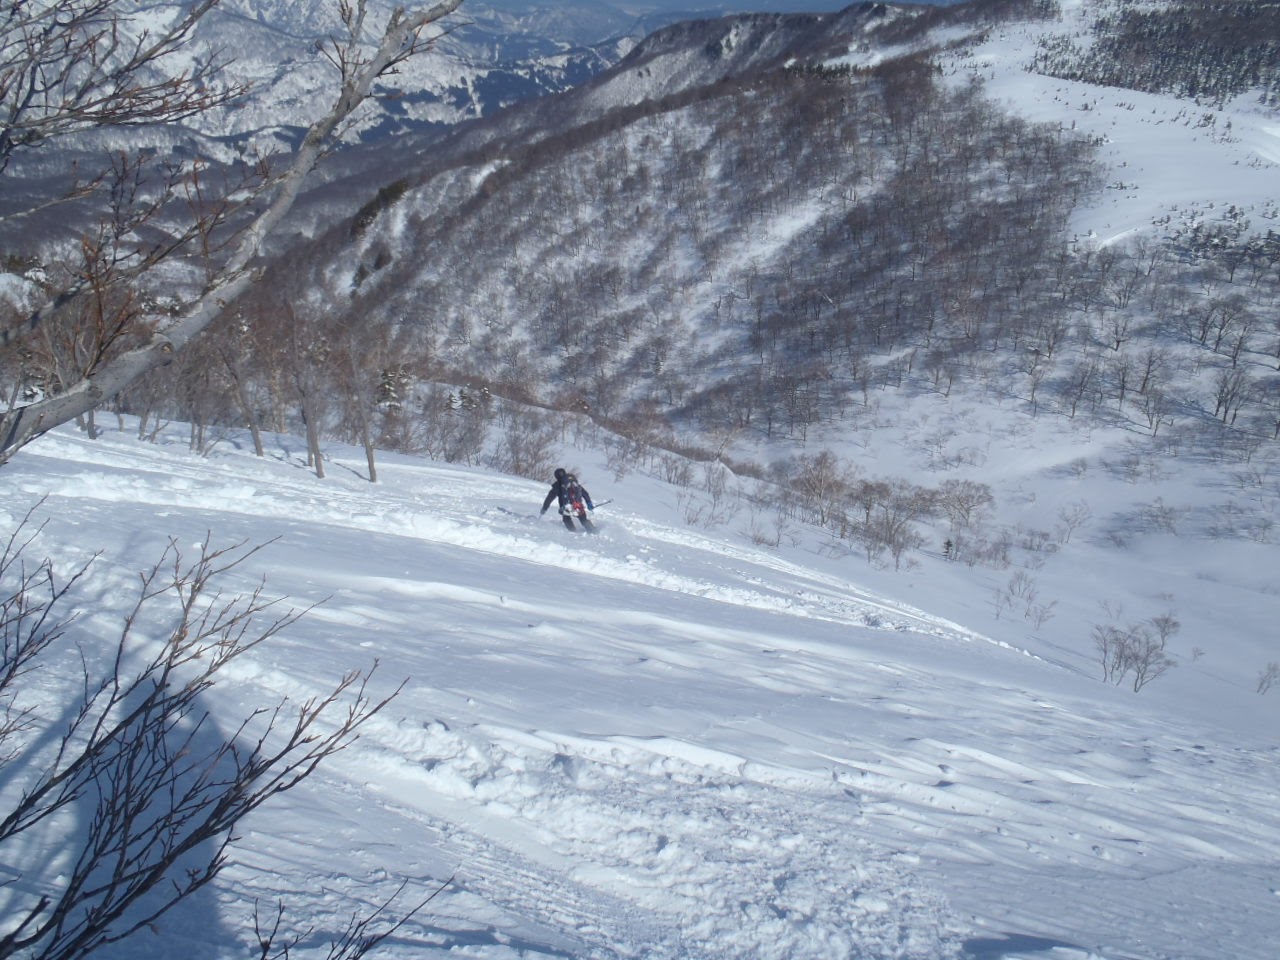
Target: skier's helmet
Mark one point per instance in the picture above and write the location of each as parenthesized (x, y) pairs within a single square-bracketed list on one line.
[(559, 473)]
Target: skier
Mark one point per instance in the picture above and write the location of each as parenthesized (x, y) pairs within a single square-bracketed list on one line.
[(574, 500)]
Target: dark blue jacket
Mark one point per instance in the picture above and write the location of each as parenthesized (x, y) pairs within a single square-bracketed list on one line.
[(560, 490)]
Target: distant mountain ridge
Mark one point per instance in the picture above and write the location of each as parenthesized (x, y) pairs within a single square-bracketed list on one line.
[(487, 59)]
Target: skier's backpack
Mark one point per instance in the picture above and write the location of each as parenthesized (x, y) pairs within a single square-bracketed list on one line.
[(573, 495)]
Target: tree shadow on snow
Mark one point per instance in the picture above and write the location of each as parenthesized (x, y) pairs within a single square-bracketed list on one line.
[(1014, 944), (38, 862)]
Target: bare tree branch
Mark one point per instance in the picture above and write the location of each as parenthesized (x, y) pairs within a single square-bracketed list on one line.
[(358, 69), (68, 65), (157, 789)]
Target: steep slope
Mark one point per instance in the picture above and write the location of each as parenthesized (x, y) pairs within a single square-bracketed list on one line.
[(764, 214), (663, 744), (817, 279), (757, 232)]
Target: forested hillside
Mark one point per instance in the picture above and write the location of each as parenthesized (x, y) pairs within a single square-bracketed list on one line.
[(740, 256), (1209, 52), (754, 231)]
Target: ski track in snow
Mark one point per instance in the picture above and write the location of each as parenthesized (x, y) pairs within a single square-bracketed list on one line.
[(771, 761)]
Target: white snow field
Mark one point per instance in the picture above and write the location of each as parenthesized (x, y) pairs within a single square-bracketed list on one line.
[(662, 743), (1172, 162)]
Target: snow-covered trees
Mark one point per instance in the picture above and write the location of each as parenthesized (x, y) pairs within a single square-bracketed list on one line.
[(1207, 51)]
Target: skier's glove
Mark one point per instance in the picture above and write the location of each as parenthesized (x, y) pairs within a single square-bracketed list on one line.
[(542, 512)]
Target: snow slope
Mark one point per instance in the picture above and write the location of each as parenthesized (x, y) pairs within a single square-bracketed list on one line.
[(663, 744), (1171, 162)]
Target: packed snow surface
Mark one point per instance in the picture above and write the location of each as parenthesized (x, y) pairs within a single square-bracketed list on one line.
[(663, 743)]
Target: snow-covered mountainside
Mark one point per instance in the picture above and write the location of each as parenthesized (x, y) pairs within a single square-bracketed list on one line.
[(663, 743), (1171, 160), (752, 219), (932, 378), (486, 57)]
